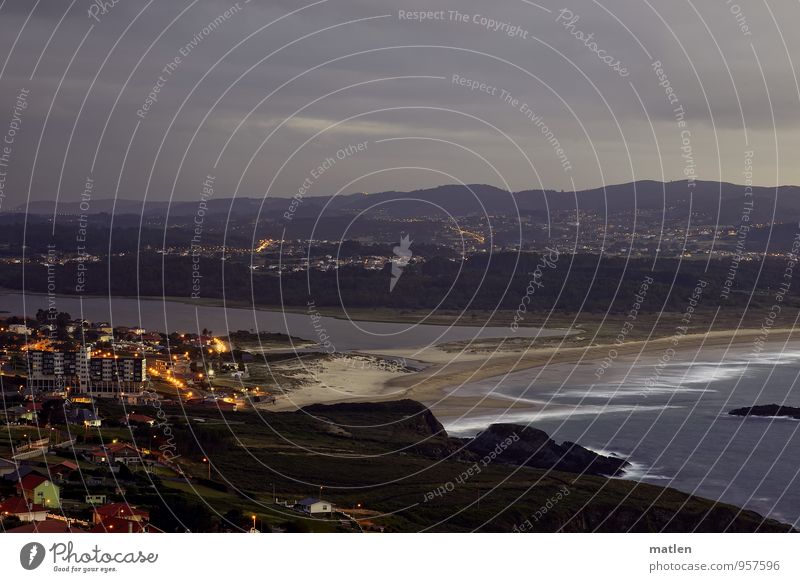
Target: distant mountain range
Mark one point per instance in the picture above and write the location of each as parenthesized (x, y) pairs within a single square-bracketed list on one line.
[(720, 201)]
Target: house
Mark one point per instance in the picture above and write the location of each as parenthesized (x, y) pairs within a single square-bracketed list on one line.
[(84, 417), (63, 470), (135, 398), (32, 410), (120, 511), (96, 499), (117, 453), (38, 489), (18, 328), (46, 526), (313, 506), (23, 510)]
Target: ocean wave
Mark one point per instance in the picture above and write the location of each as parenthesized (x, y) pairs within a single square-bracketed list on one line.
[(637, 471), (607, 393), (473, 424), (674, 378)]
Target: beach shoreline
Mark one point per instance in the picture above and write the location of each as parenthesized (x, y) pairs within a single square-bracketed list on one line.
[(437, 385)]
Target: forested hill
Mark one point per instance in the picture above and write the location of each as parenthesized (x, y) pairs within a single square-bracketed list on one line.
[(722, 202)]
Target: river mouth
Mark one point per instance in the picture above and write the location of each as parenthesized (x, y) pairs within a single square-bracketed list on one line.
[(337, 334)]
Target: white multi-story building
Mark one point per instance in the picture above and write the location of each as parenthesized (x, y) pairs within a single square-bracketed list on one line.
[(58, 371), (79, 372), (116, 376)]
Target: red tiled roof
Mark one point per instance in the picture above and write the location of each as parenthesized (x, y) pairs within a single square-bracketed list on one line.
[(46, 526), (18, 505), (32, 481), (68, 465)]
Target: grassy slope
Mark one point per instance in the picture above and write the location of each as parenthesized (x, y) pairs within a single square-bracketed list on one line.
[(388, 466)]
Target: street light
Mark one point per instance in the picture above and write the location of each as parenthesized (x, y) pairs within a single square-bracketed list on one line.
[(205, 460)]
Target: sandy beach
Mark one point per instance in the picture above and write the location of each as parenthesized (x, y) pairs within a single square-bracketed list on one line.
[(449, 367), (341, 379)]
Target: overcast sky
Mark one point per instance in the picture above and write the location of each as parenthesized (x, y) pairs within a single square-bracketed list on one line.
[(263, 97)]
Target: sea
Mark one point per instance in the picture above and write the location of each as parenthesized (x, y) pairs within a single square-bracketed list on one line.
[(670, 419)]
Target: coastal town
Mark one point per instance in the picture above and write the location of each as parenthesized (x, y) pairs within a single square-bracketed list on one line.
[(90, 416)]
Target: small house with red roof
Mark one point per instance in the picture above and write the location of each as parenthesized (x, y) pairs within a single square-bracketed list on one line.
[(23, 510), (38, 489), (120, 510), (123, 453), (46, 526), (122, 518), (62, 470)]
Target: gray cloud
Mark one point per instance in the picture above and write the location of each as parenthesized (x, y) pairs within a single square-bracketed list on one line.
[(400, 78)]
